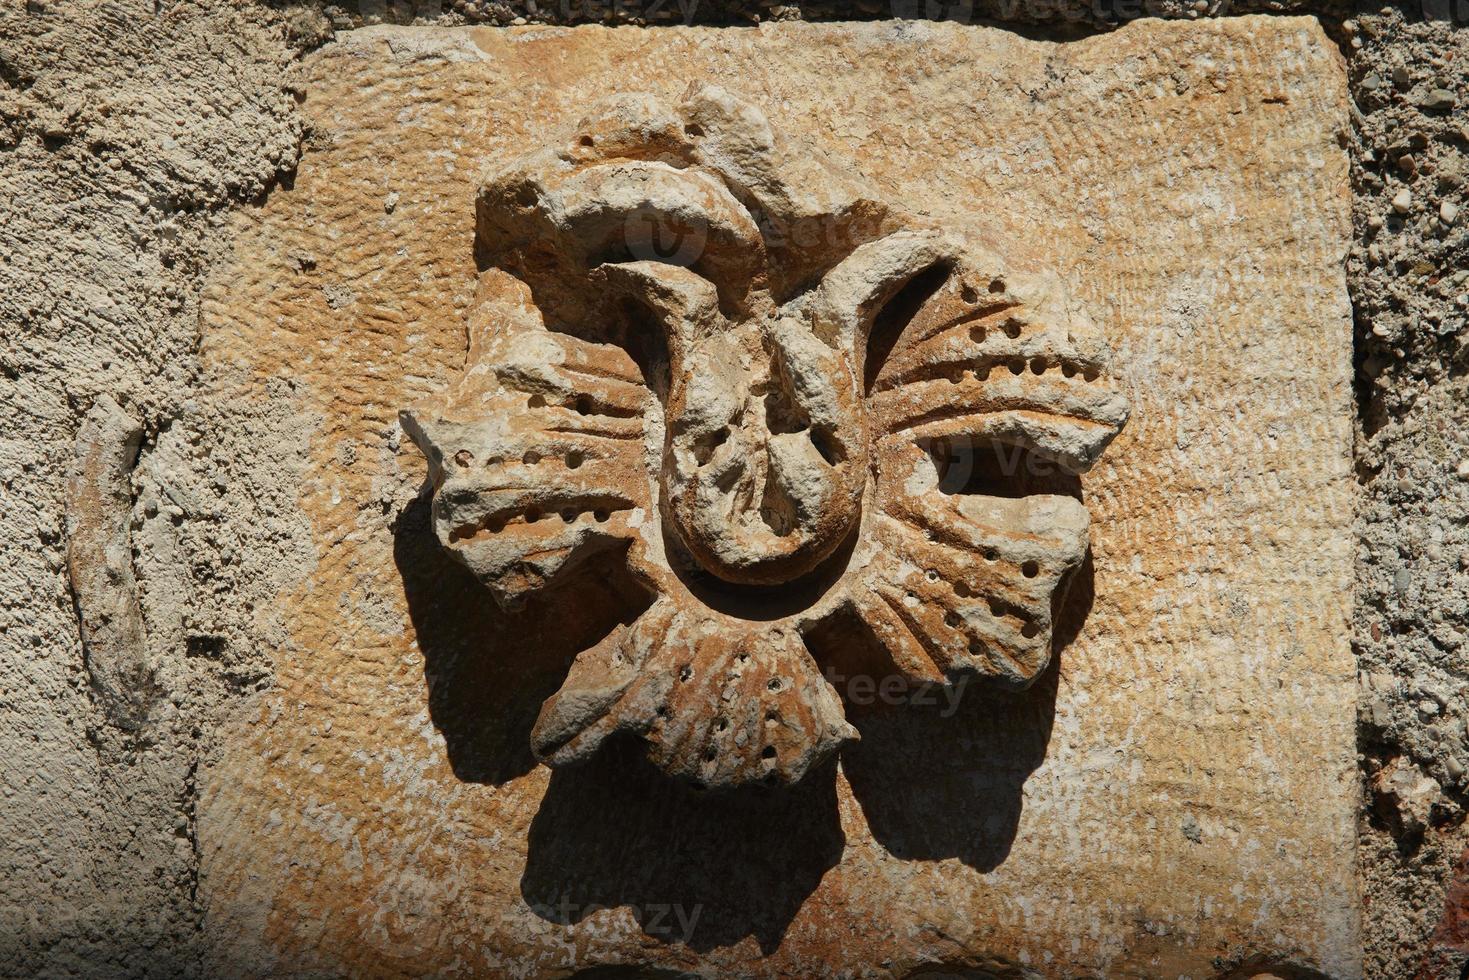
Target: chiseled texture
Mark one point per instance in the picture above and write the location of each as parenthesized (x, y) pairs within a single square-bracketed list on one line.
[(1174, 796)]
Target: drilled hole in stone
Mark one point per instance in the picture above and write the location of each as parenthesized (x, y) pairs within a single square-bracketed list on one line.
[(601, 515), (783, 414), (586, 141), (1091, 374), (494, 460), (1031, 569), (990, 554), (705, 445), (694, 130), (531, 458), (464, 457), (1038, 366), (1012, 328), (1030, 630), (977, 334), (976, 647), (932, 575), (686, 672), (720, 724), (1017, 366), (710, 753), (568, 515), (996, 609), (532, 515), (574, 459), (536, 401), (961, 590), (773, 684), (1068, 369), (953, 619), (768, 753), (742, 658), (583, 405), (828, 447), (997, 285), (495, 525), (969, 294), (771, 717)]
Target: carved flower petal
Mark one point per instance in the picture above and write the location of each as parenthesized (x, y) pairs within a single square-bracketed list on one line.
[(537, 464), (720, 702), (964, 583), (553, 228), (995, 356)]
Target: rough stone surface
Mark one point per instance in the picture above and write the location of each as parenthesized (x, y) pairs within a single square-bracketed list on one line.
[(124, 134), (1411, 295), (96, 854), (1175, 796)]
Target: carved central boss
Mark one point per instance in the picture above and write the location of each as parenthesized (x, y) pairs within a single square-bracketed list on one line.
[(710, 355)]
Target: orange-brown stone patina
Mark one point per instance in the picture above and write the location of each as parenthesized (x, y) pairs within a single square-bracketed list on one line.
[(1151, 775)]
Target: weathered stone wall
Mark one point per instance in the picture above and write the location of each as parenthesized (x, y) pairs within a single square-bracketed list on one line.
[(129, 131)]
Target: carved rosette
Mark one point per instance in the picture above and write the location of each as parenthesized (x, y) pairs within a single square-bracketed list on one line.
[(712, 357)]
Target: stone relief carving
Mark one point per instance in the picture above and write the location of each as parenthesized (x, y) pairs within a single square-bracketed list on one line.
[(713, 357)]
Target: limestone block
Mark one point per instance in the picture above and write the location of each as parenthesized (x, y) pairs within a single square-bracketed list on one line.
[(896, 475)]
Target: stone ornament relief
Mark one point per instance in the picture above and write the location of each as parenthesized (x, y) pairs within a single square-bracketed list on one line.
[(781, 403)]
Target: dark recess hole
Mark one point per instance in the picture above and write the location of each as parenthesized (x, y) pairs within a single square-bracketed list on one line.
[(827, 447), (645, 342), (890, 322), (210, 647), (997, 469)]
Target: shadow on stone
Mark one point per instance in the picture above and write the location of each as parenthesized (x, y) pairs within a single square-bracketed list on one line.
[(947, 780), (702, 869), (488, 670)]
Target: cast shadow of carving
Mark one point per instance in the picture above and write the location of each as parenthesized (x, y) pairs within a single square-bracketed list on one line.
[(488, 670), (704, 869), (947, 780)]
